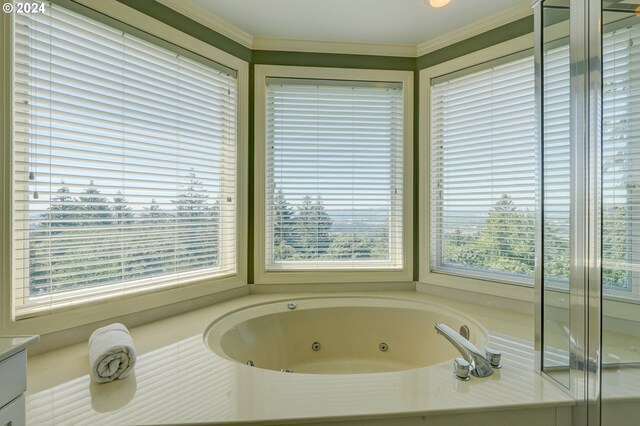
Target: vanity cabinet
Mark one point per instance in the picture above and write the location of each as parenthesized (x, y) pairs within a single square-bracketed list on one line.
[(13, 414), (13, 379)]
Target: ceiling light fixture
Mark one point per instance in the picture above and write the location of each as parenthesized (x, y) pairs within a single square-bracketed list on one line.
[(438, 3)]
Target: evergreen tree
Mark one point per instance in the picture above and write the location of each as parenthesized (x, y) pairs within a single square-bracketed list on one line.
[(556, 254), (303, 234), (509, 238), (95, 208), (121, 210), (616, 247), (311, 228), (154, 211), (462, 249), (323, 223), (197, 226), (62, 219), (74, 256), (503, 221), (350, 246), (506, 242), (193, 200), (155, 256), (380, 242), (282, 228), (88, 227), (63, 211)]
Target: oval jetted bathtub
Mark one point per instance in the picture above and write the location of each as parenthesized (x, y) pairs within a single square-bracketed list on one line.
[(339, 335)]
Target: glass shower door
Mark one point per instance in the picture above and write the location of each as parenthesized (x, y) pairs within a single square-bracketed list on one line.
[(620, 382), (555, 195), (588, 283)]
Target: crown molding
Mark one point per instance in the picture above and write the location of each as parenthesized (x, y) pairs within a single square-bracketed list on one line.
[(477, 28), (214, 22), (210, 20), (294, 45)]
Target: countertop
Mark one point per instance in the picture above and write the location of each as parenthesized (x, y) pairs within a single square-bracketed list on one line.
[(179, 380), (10, 345)]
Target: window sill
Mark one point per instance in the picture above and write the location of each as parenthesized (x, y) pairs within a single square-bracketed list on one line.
[(491, 288), (612, 308), (326, 277), (47, 304), (88, 313), (335, 266)]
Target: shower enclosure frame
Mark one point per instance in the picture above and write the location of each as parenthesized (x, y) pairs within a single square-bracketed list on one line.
[(585, 254)]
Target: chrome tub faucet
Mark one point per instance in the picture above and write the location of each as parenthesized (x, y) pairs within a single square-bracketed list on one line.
[(480, 365)]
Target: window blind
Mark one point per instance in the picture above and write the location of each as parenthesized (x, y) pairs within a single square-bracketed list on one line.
[(621, 159), (483, 171), (125, 164), (334, 174)]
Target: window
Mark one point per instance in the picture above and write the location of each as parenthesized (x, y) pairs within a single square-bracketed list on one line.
[(335, 180), (620, 159), (483, 167), (483, 171), (124, 163)]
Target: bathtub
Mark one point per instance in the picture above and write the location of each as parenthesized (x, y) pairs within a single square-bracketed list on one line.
[(178, 379), (339, 335)]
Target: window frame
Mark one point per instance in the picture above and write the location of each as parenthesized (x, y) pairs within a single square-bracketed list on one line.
[(67, 317), (478, 283), (291, 276), (618, 306)]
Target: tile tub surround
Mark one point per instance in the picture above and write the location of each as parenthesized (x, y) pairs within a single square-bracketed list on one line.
[(179, 380)]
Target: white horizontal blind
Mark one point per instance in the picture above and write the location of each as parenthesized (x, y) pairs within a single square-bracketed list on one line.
[(621, 161), (125, 164), (483, 171), (334, 175)]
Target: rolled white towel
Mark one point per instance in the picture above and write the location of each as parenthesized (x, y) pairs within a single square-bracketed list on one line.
[(111, 353)]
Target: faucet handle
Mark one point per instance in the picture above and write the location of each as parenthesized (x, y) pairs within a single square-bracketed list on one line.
[(461, 368), (494, 356)]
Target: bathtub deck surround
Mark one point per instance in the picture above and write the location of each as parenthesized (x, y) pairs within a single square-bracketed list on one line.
[(206, 387)]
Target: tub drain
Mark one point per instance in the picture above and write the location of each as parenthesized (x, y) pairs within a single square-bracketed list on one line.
[(315, 346), (250, 363), (286, 370), (383, 347)]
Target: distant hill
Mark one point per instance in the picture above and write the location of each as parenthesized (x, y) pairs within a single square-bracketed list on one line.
[(368, 220)]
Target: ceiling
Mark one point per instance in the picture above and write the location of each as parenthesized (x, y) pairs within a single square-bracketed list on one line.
[(356, 21)]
